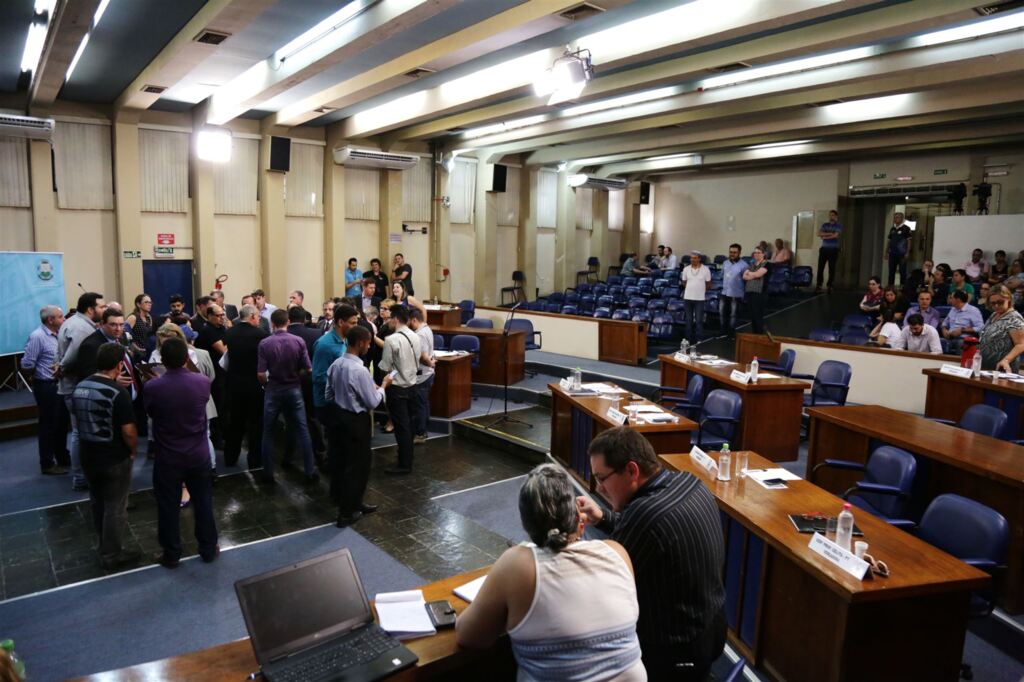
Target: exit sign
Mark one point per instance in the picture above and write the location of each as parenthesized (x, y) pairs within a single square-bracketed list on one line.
[(879, 176), (131, 254), (941, 171), (163, 251)]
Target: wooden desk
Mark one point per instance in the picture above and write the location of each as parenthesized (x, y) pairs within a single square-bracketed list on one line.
[(440, 657), (575, 420), (770, 421), (453, 383), (448, 317), (799, 617), (948, 396), (491, 369), (950, 460)]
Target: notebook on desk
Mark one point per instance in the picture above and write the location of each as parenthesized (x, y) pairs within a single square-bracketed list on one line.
[(311, 621)]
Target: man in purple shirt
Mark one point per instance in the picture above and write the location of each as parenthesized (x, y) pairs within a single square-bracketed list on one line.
[(176, 402), (282, 362)]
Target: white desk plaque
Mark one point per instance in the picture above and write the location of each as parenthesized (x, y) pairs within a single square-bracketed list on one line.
[(701, 458), (845, 560), (742, 377), (616, 416), (565, 384), (682, 357), (956, 370)]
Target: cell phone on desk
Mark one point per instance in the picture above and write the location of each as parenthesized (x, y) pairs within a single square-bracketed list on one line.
[(775, 483), (441, 613)]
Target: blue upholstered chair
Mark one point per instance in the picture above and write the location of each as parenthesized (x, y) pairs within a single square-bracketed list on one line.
[(480, 323), (719, 417), (823, 334), (690, 404), (784, 365), (980, 418), (620, 314), (831, 384), (438, 342), (801, 276), (467, 343), (534, 339), (468, 309), (602, 313), (886, 486)]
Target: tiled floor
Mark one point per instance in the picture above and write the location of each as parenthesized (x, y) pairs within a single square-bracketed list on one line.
[(536, 430), (51, 547)]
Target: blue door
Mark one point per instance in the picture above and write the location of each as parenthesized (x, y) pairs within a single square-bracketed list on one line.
[(162, 279)]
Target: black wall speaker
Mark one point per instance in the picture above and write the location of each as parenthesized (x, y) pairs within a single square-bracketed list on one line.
[(645, 192), (500, 177), (280, 154)]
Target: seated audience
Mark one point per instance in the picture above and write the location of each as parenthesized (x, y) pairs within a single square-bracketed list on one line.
[(886, 329), (1002, 339), (925, 310), (669, 260), (940, 286), (999, 270), (783, 256), (962, 319), (981, 303), (960, 283), (528, 592), (630, 268), (892, 300), (917, 336), (921, 278), (670, 525), (976, 268), (872, 300)]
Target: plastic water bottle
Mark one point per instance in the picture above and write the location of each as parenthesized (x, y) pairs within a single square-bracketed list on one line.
[(18, 665), (577, 379), (753, 370), (844, 527), (976, 365), (724, 463), (684, 346), (741, 463)]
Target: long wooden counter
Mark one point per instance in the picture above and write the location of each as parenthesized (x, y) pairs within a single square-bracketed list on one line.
[(447, 316), (492, 366), (770, 420), (440, 657), (800, 618), (984, 469), (948, 396)]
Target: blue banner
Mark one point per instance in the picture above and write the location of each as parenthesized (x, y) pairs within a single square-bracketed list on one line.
[(28, 281)]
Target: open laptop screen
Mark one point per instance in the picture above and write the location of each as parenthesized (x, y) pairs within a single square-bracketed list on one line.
[(301, 605)]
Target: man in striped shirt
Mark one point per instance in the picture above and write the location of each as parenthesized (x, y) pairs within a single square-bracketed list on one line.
[(670, 525)]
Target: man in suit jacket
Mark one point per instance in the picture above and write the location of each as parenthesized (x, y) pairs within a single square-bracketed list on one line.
[(230, 311), (244, 392), (297, 326), (111, 330), (369, 298)]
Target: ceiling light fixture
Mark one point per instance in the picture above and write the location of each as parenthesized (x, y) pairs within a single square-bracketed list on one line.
[(578, 179), (771, 145), (214, 144), (322, 30), (504, 126), (567, 76), (34, 42), (97, 15)]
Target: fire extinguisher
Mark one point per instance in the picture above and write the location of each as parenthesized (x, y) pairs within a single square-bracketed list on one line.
[(970, 349), (218, 285)]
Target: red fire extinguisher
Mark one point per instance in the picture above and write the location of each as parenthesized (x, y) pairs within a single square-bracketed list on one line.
[(970, 349)]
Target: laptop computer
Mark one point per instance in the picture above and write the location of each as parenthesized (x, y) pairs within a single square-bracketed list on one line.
[(311, 621)]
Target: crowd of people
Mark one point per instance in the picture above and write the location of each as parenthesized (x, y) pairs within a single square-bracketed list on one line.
[(226, 375), (981, 303)]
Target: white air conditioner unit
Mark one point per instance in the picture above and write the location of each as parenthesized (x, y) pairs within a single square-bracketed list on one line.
[(589, 181), (353, 157), (26, 127)]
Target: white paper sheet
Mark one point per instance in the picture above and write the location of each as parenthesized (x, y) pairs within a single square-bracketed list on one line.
[(762, 475), (404, 614), (469, 591), (603, 388)]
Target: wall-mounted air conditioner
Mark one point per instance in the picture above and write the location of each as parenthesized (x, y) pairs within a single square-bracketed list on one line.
[(591, 182), (26, 127), (353, 157)]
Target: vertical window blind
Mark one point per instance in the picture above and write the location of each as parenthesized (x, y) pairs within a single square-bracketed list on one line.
[(14, 184), (547, 198), (83, 165), (163, 171), (362, 194), (616, 206), (417, 195), (462, 190), (584, 208), (235, 182), (304, 183), (508, 201)]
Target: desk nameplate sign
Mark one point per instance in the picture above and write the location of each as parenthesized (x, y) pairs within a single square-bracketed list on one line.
[(616, 416), (702, 459), (681, 357), (565, 384), (956, 370), (742, 377), (835, 554)]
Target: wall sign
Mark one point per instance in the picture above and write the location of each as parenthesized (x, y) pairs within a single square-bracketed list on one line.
[(163, 251), (165, 239), (131, 254)]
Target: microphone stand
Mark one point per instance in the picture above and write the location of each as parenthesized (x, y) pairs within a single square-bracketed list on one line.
[(505, 416)]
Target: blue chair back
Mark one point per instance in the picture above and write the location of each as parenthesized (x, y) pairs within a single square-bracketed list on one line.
[(832, 372), (587, 303), (480, 323), (629, 281), (467, 343), (438, 342), (602, 313), (572, 298), (888, 465), (553, 307), (660, 327), (984, 419), (593, 262), (695, 389), (719, 259), (605, 302), (599, 290), (801, 276), (671, 275), (620, 314), (637, 303), (943, 310), (855, 338), (641, 316), (670, 292), (857, 320), (656, 306), (570, 310), (787, 359), (660, 284), (583, 288), (720, 403), (614, 280), (631, 291), (519, 325), (518, 277), (823, 334), (555, 297), (468, 308)]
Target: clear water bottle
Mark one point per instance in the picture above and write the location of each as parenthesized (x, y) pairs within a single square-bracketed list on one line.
[(753, 370), (724, 463), (577, 379), (844, 527), (684, 346), (976, 365), (18, 665), (741, 463)]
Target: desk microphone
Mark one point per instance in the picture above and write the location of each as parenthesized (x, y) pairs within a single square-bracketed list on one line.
[(82, 288)]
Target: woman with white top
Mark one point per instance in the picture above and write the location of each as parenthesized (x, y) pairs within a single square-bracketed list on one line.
[(536, 591), (886, 328), (696, 277)]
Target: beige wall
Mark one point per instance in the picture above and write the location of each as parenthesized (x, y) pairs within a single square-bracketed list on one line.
[(304, 266), (237, 250), (1011, 187), (508, 252), (461, 261), (16, 229), (920, 168), (576, 336), (89, 242), (178, 224)]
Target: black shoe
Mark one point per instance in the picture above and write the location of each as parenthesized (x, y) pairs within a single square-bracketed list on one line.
[(368, 508), (166, 561), (55, 470), (121, 560), (210, 558), (397, 471), (348, 519)]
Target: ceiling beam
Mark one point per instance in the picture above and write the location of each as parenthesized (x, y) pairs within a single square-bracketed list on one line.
[(391, 74), (887, 22), (72, 21), (183, 53)]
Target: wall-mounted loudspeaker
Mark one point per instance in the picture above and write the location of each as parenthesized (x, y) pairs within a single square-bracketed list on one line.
[(645, 192), (280, 154), (500, 177)]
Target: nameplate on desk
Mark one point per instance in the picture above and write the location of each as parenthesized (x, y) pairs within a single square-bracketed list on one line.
[(835, 554), (702, 459), (682, 358), (956, 370), (565, 384), (616, 416), (742, 377)]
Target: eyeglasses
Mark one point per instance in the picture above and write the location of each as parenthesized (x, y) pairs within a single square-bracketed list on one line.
[(997, 301), (879, 568), (601, 478)]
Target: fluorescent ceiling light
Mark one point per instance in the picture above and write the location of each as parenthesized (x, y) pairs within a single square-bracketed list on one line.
[(214, 144), (78, 55), (577, 179), (34, 42), (504, 126), (99, 12), (322, 30), (996, 24), (889, 105), (672, 157), (635, 98), (44, 6), (770, 145)]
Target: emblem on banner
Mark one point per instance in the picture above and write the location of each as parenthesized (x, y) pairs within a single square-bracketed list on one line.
[(44, 270)]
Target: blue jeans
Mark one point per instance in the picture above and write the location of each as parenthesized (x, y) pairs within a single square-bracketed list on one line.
[(419, 422), (694, 309), (77, 473), (288, 403), (728, 307)]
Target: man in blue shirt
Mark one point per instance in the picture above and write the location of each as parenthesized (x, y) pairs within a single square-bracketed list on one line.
[(924, 308), (829, 251), (327, 349), (962, 319), (732, 289), (353, 279), (41, 359)]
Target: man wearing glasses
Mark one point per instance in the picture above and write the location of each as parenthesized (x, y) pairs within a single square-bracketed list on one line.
[(669, 523), (211, 339)]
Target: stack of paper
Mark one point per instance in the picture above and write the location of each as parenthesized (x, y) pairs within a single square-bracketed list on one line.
[(449, 353), (762, 475), (404, 614), (603, 388), (469, 591), (716, 363)]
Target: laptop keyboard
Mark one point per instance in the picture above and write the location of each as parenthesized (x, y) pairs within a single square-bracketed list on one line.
[(356, 650)]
